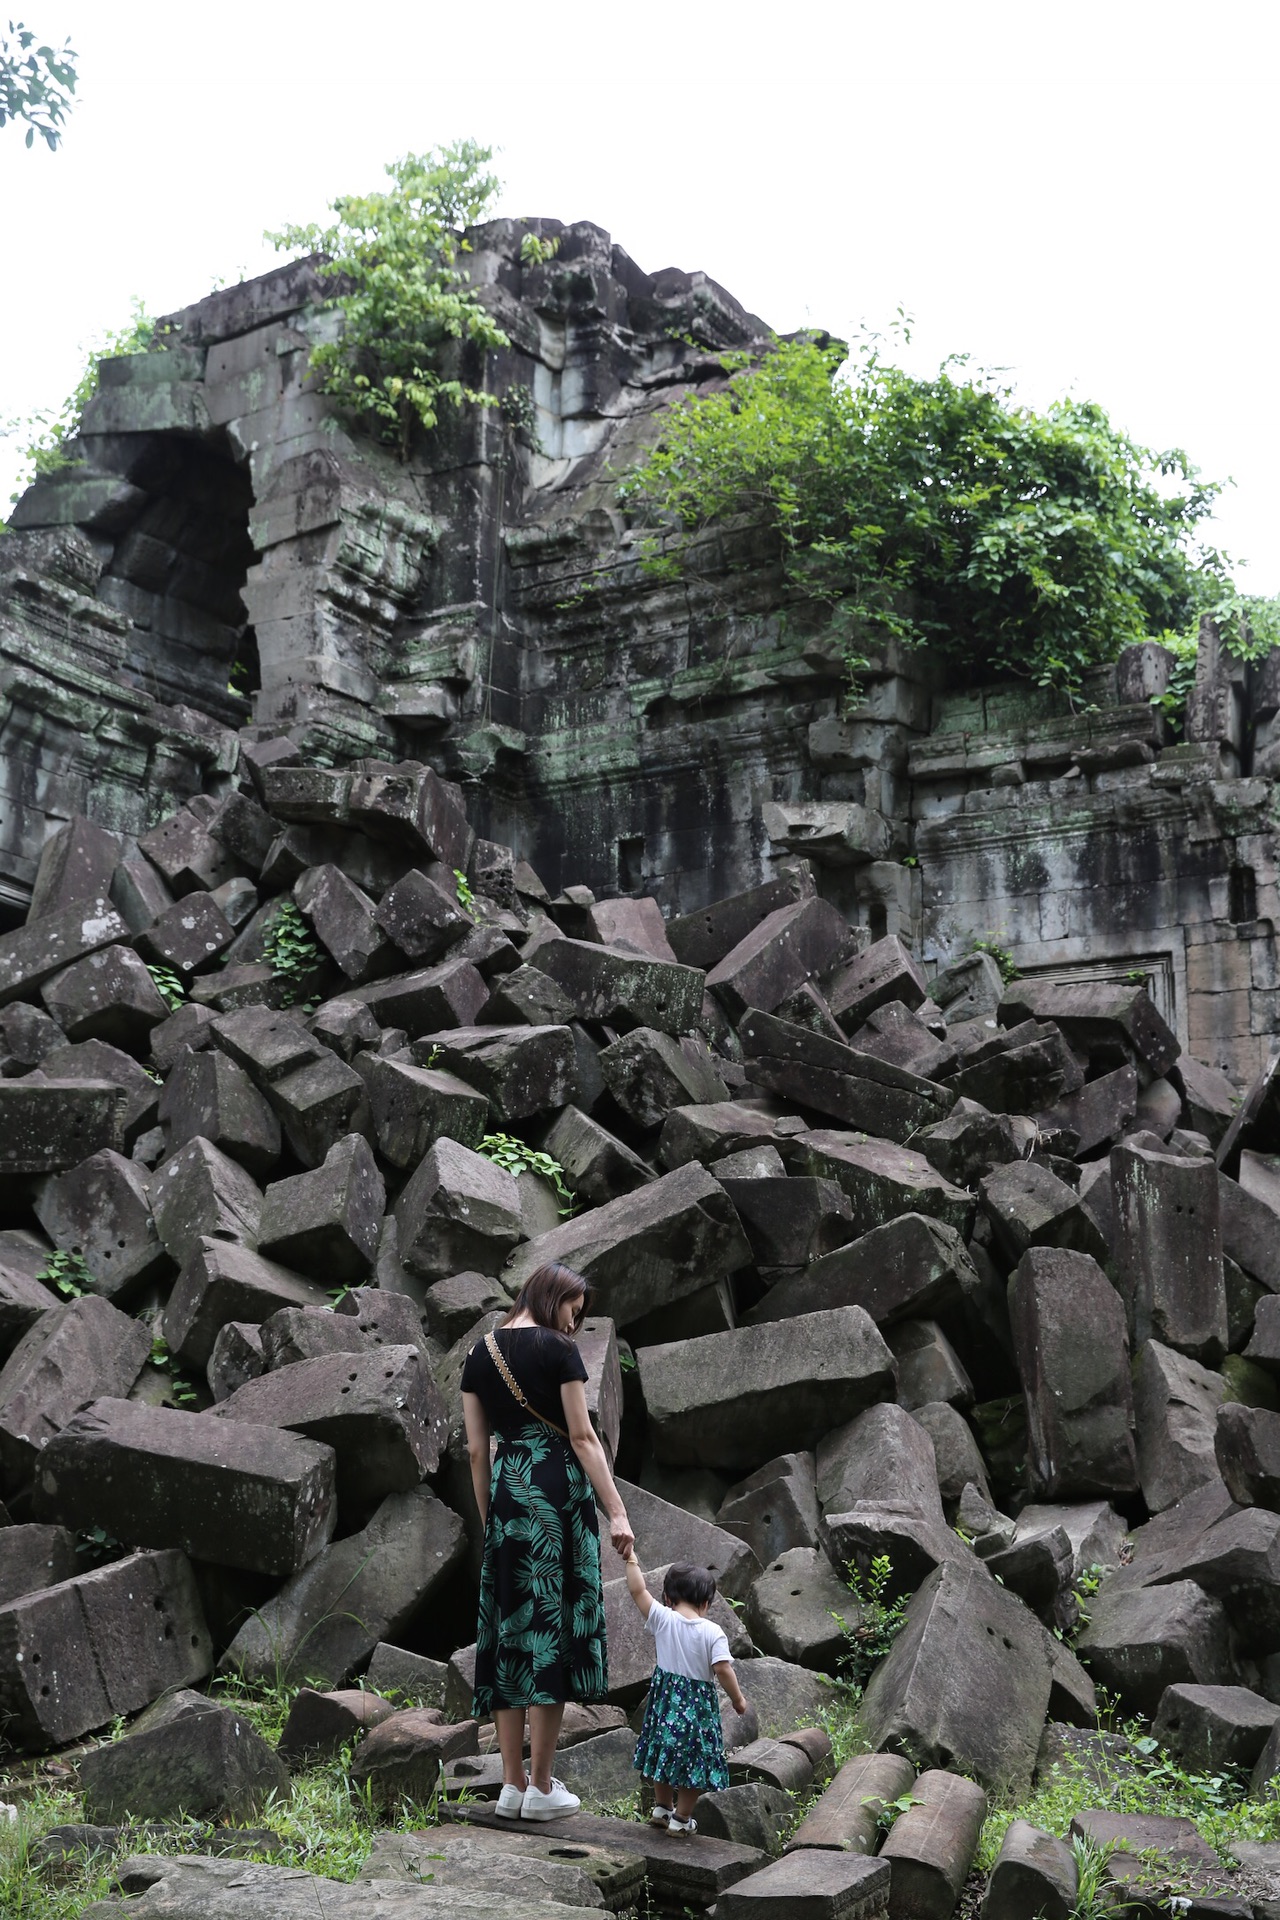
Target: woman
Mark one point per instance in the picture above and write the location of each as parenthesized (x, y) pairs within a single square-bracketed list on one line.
[(541, 1636)]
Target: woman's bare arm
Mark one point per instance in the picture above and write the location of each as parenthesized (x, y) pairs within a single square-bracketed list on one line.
[(476, 1421), (595, 1464)]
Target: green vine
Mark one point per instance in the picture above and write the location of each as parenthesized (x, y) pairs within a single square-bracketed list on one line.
[(169, 986), (182, 1392), (293, 954), (466, 898), (69, 1273), (514, 1157)]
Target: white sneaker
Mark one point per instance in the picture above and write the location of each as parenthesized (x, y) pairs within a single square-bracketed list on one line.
[(510, 1802), (682, 1826), (549, 1806), (660, 1817)]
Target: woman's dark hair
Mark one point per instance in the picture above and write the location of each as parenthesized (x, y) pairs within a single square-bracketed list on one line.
[(545, 1292), (692, 1584)]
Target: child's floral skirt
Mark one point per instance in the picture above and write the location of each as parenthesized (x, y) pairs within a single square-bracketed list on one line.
[(680, 1740)]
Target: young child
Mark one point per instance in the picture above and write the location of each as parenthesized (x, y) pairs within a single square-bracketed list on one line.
[(681, 1747)]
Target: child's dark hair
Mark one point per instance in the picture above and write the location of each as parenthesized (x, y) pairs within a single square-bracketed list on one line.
[(692, 1584)]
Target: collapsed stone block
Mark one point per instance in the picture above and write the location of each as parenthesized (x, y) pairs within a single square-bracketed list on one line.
[(320, 1724), (789, 1221), (666, 1533), (76, 864), (402, 1757), (1249, 1233), (1028, 1072), (884, 972), (786, 948), (24, 1297), (526, 997), (968, 1678), (236, 1357), (327, 1221), (710, 1133), (245, 830), (881, 1180), (597, 1166), (101, 1210), (728, 1400), (109, 995), (792, 1607), (1069, 1335), (458, 1211), (648, 1073), (153, 1477), (221, 1282), (183, 850), (71, 1354), (318, 1105), (622, 990), (294, 1334), (1175, 1402), (855, 1088), (448, 995), (411, 1677), (26, 1036), (34, 1557), (207, 1096), (413, 1107), (930, 1847), (958, 1462), (1139, 1641), (75, 1655), (908, 1267), (929, 1368), (1209, 1728), (345, 922), (200, 1193), (325, 1621), (187, 1756), (829, 1886), (969, 989), (452, 1307), (1246, 1450), (1169, 1250), (188, 936), (1034, 1874), (646, 1250), (1112, 1022), (421, 914), (48, 1128), (412, 806), (1030, 1207), (379, 1411), (775, 1508), (703, 938), (32, 954), (521, 1071), (1102, 1111), (970, 1142)]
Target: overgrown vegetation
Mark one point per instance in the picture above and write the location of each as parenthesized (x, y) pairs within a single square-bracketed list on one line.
[(879, 1620), (69, 1273), (169, 986), (510, 1153), (1035, 544), (990, 944), (46, 436), (466, 898), (294, 956), (36, 83), (394, 261)]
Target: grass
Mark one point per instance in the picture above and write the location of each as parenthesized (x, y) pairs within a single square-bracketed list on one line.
[(327, 1825)]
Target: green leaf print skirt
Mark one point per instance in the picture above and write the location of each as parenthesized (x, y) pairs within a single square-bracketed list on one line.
[(540, 1637)]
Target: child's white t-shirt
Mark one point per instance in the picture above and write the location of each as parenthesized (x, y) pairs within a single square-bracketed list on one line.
[(690, 1647)]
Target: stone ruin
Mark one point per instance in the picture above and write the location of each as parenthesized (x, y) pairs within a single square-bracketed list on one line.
[(894, 1261)]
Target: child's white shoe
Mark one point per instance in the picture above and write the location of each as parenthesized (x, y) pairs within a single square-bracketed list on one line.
[(682, 1826), (660, 1817)]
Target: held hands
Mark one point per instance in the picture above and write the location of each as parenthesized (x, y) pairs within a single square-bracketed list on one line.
[(621, 1536)]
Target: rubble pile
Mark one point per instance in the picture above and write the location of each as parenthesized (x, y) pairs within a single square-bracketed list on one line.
[(968, 1281)]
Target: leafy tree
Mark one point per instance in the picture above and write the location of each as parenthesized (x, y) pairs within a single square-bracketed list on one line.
[(394, 260), (36, 83), (940, 510)]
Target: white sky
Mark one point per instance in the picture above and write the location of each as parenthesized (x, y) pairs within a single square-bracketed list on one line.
[(1082, 193)]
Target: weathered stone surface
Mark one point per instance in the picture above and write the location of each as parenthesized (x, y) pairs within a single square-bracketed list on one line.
[(409, 1679), (1175, 1403), (521, 1071), (971, 1141), (182, 849), (239, 1497), (33, 1557), (109, 995), (222, 1282), (702, 939), (789, 1221), (785, 948), (1110, 1022), (881, 1180), (649, 1072), (780, 1763), (327, 1221), (775, 1508), (1209, 1728), (1139, 1641), (647, 1249), (754, 1814), (879, 1492), (451, 1307), (798, 1888), (792, 1608), (413, 807), (1249, 1233), (969, 989), (1069, 1337), (379, 1412), (207, 1096), (1034, 1874), (30, 955), (421, 914), (853, 1087), (49, 1128), (345, 923), (201, 1194), (931, 1846), (185, 1757), (1029, 1207), (75, 1655), (72, 1354), (959, 1464), (459, 1211), (449, 995), (711, 1133), (236, 1356), (622, 990), (188, 936), (102, 1212), (597, 1166), (846, 1814), (1169, 1251), (929, 1368), (76, 864), (27, 1036), (1246, 1448), (667, 1533), (413, 1107), (729, 1399), (325, 1621), (884, 972), (910, 1266), (968, 1678)]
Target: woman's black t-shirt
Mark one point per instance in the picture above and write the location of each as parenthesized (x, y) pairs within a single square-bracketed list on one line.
[(539, 1359)]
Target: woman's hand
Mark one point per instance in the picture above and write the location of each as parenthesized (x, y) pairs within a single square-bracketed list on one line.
[(620, 1534)]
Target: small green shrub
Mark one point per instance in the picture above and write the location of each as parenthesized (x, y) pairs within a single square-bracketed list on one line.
[(294, 955), (69, 1273), (989, 943), (880, 1619)]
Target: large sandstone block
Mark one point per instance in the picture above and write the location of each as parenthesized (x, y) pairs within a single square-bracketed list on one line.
[(379, 1411), (622, 990), (520, 1070), (703, 938), (847, 1814), (883, 1457), (1168, 1250), (413, 1107), (647, 1249), (239, 1496), (76, 865), (75, 1655), (967, 1680), (102, 1211), (222, 1282), (886, 971), (1111, 1022), (186, 1756), (1246, 1448), (786, 948), (648, 1073), (1139, 1641), (421, 914), (730, 1400), (830, 1886), (789, 1220), (911, 1266), (207, 1096), (48, 1128), (597, 1166), (1175, 1403), (930, 1847), (458, 1212), (32, 954), (448, 995), (412, 806), (1072, 1349), (793, 1607), (882, 1180), (1209, 1728), (1030, 1207), (666, 1533), (327, 1221), (326, 1620), (32, 1557), (1035, 1874), (200, 1193), (853, 1087), (344, 919), (109, 995), (74, 1353)]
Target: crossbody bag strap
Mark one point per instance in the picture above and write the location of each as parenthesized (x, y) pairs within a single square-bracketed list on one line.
[(495, 1354)]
